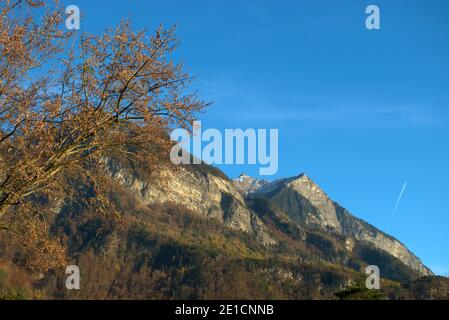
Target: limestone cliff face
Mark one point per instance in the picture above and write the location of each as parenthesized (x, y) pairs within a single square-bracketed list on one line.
[(327, 214), (204, 192), (308, 204), (362, 231)]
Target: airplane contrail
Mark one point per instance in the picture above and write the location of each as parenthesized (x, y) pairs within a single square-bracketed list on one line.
[(400, 197)]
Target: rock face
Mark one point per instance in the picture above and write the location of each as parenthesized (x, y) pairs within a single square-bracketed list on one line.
[(207, 192), (307, 204), (360, 230)]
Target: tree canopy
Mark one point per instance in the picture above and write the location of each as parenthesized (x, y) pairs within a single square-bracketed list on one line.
[(70, 100)]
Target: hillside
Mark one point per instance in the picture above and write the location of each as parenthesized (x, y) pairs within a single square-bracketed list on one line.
[(197, 236)]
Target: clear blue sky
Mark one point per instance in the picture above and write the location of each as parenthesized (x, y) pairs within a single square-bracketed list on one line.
[(361, 112)]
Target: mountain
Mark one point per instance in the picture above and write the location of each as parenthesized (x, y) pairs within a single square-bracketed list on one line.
[(309, 206), (193, 233)]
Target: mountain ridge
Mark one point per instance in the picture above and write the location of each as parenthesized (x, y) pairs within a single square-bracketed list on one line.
[(212, 195), (336, 217)]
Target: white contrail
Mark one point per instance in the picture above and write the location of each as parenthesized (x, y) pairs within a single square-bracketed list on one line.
[(400, 197)]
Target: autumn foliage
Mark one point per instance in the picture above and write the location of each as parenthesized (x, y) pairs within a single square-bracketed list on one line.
[(70, 100)]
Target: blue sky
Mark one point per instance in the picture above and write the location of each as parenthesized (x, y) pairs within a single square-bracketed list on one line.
[(361, 112)]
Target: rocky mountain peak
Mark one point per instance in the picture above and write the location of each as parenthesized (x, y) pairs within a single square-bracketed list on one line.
[(247, 184), (308, 188), (309, 206), (303, 182)]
